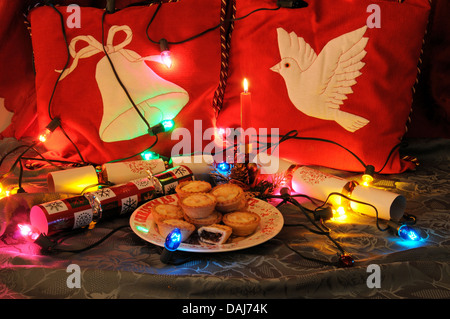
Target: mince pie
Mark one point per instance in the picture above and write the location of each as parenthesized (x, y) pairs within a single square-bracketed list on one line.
[(230, 197), (214, 234), (186, 188), (198, 205), (161, 212), (242, 223)]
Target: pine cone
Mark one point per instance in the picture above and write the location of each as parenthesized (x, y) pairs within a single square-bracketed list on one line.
[(240, 173)]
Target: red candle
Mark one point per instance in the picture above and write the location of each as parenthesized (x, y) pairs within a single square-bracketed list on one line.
[(246, 107)]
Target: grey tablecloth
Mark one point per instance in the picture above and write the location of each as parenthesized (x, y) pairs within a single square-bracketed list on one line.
[(125, 266)]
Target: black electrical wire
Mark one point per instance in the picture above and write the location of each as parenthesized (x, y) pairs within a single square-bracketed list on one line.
[(389, 156), (20, 176), (51, 245), (57, 81), (66, 64), (10, 152), (293, 134), (326, 233), (205, 31), (176, 257), (316, 260), (95, 185), (358, 202), (50, 161), (147, 149), (411, 219), (21, 157), (117, 75), (13, 166), (61, 250), (289, 199)]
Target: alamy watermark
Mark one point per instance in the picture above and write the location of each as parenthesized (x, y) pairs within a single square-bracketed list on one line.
[(73, 21), (74, 279), (374, 279)]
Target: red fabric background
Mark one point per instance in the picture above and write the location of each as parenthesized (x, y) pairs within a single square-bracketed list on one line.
[(431, 106), (430, 117), (382, 93), (16, 72)]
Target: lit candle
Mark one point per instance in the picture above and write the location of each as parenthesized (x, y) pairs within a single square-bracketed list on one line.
[(246, 107)]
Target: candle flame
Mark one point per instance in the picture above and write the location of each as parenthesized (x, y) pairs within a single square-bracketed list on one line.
[(245, 85)]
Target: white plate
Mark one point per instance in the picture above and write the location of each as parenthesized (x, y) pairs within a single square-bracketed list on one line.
[(271, 223)]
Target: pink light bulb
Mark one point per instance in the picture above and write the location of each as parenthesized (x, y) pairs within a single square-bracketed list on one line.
[(28, 232), (166, 58)]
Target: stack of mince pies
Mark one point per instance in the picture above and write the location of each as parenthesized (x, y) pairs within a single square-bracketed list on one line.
[(214, 215)]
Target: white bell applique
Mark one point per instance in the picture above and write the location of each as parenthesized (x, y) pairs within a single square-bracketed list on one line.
[(156, 98)]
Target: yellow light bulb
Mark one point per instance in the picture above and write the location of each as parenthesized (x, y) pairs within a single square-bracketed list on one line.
[(341, 211), (367, 180), (339, 214), (49, 129)]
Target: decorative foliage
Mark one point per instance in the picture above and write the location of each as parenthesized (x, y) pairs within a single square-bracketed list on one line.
[(248, 177)]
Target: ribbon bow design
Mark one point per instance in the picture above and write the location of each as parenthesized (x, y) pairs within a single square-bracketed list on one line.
[(95, 47)]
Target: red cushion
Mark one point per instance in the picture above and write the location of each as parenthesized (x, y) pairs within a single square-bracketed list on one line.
[(94, 109), (17, 95), (431, 105), (322, 71)]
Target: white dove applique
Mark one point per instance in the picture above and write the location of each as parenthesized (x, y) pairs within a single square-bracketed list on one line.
[(318, 84)]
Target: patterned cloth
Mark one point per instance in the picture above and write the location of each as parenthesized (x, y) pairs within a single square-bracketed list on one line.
[(125, 266)]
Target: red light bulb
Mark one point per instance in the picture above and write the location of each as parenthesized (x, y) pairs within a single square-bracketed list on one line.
[(165, 53), (166, 58)]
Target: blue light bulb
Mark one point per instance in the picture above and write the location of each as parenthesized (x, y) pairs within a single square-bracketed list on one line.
[(173, 240), (408, 233), (223, 167)]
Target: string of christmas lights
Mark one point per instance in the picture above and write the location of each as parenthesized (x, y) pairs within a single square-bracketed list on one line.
[(321, 213)]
